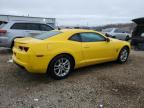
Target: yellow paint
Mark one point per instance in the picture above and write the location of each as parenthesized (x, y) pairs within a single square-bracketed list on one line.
[(41, 52)]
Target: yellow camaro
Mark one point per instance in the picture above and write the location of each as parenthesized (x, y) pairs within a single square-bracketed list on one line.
[(59, 51)]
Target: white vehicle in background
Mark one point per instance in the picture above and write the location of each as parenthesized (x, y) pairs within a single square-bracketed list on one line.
[(19, 29), (117, 33)]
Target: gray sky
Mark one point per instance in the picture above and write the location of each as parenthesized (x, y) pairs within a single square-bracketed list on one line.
[(77, 12)]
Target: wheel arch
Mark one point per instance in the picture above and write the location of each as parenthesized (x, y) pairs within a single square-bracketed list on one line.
[(64, 53), (126, 46), (12, 41)]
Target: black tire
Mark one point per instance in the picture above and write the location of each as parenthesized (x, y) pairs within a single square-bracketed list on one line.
[(123, 55), (54, 66)]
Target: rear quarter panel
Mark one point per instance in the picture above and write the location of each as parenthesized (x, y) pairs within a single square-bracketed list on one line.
[(68, 47)]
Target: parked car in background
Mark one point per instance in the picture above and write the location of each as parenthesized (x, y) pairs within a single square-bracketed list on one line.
[(117, 33), (138, 34), (18, 29), (58, 52)]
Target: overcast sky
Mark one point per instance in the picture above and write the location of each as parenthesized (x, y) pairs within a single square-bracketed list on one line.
[(77, 12)]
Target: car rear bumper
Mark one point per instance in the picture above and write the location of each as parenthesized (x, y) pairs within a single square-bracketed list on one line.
[(29, 62), (4, 42)]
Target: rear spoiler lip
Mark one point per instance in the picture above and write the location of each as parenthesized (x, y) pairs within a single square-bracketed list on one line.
[(139, 21)]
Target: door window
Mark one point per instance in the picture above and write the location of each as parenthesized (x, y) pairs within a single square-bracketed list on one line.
[(119, 31), (32, 26), (20, 26), (92, 37)]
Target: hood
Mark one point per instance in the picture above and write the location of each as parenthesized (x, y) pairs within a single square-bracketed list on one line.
[(139, 21)]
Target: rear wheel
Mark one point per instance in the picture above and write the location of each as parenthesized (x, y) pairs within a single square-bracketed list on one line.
[(60, 67), (123, 55)]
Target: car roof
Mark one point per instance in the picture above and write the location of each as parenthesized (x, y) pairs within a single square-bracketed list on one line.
[(17, 21), (77, 30)]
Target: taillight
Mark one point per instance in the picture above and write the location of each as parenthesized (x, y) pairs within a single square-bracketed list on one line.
[(2, 32), (26, 49), (23, 48)]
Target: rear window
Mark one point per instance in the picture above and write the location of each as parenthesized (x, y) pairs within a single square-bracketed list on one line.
[(47, 35)]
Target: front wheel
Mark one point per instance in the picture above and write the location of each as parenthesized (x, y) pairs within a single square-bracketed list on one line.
[(60, 67), (123, 55)]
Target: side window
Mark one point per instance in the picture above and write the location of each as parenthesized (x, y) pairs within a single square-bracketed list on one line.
[(32, 26), (107, 30), (76, 38), (119, 31), (19, 26), (91, 37), (44, 27)]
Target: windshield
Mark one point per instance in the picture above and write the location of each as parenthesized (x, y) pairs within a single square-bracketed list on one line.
[(47, 35)]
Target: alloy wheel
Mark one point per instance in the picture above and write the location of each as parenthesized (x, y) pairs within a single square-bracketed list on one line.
[(62, 67)]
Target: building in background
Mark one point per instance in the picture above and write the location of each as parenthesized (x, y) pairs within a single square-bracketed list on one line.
[(50, 21)]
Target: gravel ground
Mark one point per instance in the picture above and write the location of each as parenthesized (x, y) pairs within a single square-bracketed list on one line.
[(108, 85)]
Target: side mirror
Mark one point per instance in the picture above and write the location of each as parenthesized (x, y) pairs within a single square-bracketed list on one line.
[(107, 40)]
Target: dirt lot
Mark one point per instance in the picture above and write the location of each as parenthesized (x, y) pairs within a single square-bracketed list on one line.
[(108, 85)]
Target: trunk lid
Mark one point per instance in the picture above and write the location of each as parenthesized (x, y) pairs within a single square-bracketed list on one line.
[(139, 21), (27, 40), (25, 43)]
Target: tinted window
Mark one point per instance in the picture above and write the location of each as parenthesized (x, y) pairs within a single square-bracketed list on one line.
[(44, 27), (119, 31), (76, 37), (47, 35), (32, 26), (21, 26), (91, 37), (107, 30)]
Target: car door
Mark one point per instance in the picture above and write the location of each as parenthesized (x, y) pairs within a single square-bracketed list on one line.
[(96, 48), (120, 34)]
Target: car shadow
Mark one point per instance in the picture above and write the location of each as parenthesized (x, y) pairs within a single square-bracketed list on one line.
[(27, 77), (5, 50)]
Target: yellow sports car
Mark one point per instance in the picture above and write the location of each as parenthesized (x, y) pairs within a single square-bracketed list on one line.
[(57, 52)]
